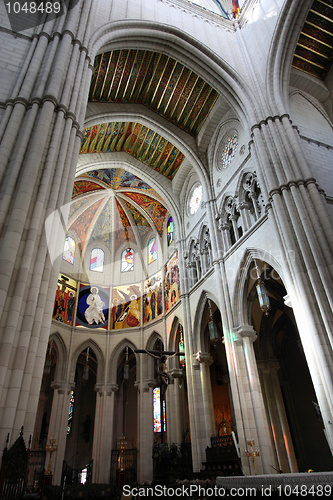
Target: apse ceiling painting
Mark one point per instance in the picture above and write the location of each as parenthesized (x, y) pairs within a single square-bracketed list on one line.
[(314, 51), (155, 80), (108, 207), (138, 141)]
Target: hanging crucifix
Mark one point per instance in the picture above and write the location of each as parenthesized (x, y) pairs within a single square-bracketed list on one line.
[(163, 378)]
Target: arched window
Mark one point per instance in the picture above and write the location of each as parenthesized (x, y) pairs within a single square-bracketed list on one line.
[(70, 412), (152, 250), (127, 260), (69, 250), (170, 231), (157, 410), (97, 260)]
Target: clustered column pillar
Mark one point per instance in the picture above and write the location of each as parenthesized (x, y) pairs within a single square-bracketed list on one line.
[(277, 415), (43, 114)]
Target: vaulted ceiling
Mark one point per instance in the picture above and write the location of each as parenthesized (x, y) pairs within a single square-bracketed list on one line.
[(116, 207)]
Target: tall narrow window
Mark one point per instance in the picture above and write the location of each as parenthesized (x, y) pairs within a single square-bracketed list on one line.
[(97, 260), (152, 250), (127, 260), (170, 231), (70, 413), (157, 410), (69, 250)]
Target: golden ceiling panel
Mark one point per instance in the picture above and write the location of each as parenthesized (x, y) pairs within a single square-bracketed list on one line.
[(314, 51), (159, 82)]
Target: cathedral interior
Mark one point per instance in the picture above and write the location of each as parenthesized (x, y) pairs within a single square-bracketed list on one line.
[(166, 238)]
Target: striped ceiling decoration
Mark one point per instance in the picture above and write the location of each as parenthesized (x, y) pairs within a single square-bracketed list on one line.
[(137, 140), (314, 51), (155, 80)]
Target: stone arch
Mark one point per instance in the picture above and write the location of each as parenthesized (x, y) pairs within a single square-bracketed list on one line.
[(197, 323), (114, 357), (241, 313), (99, 356), (62, 356), (281, 52)]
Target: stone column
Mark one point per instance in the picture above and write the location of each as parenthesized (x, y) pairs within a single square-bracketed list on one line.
[(256, 425), (175, 407), (145, 429), (58, 425), (243, 208), (44, 110), (103, 432), (277, 415), (205, 406)]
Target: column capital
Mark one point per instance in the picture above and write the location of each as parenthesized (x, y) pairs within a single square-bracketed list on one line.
[(62, 387), (269, 365), (176, 373), (147, 384), (245, 331), (106, 389), (204, 357)]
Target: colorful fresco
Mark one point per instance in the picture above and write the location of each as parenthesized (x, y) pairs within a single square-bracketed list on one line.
[(82, 187), (138, 141), (84, 222), (152, 298), (171, 282), (102, 228), (153, 207), (92, 309), (126, 307), (117, 178), (155, 80), (64, 303)]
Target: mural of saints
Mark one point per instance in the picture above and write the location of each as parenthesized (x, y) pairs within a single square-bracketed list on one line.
[(171, 282), (126, 307), (64, 302), (152, 298)]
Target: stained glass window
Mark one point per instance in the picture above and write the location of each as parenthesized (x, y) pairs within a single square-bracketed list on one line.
[(229, 151), (127, 260), (97, 260), (157, 410), (152, 250), (70, 414), (195, 199), (170, 231), (69, 250), (181, 348)]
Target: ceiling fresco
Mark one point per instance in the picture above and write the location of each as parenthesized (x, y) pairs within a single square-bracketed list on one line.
[(155, 80), (314, 51), (111, 214), (135, 139)]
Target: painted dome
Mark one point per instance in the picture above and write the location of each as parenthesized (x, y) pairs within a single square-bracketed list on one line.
[(114, 206)]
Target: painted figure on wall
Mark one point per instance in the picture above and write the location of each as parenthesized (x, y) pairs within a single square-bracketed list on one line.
[(92, 310), (65, 300), (126, 307), (152, 298), (171, 282)]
